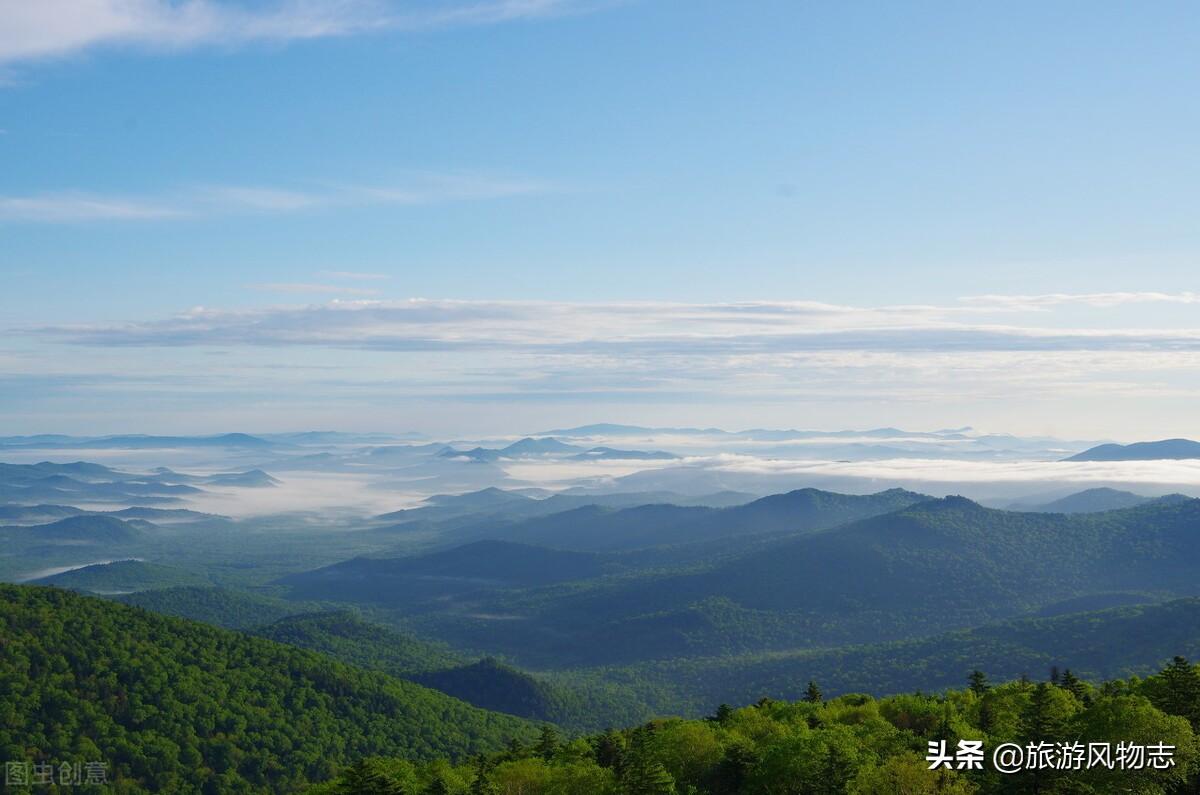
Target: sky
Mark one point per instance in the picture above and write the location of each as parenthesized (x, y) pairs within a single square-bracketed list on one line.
[(480, 216)]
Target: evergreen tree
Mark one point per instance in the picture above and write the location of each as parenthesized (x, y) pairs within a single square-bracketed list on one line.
[(437, 787), (547, 743), (646, 776), (367, 777), (723, 715), (1053, 674), (482, 783), (610, 751), (1072, 684), (978, 682), (812, 693), (1181, 690), (730, 774)]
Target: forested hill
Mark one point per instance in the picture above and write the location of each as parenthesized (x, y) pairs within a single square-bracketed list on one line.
[(932, 567), (852, 745), (178, 706)]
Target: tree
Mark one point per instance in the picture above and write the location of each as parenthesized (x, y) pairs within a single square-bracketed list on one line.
[(978, 682), (645, 776), (610, 751), (1180, 690), (547, 743), (722, 716), (1072, 684), (482, 783), (367, 777), (437, 786), (812, 693)]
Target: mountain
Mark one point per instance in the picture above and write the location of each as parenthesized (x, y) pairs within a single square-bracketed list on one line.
[(143, 442), (121, 576), (87, 528), (870, 580), (487, 684), (174, 705), (164, 515), (346, 637), (1099, 644), (612, 454), (479, 455), (542, 446), (1141, 451), (1092, 501), (82, 482), (491, 685), (255, 478), (478, 566), (35, 514), (219, 606), (598, 528)]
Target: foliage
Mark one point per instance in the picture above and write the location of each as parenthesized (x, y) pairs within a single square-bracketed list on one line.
[(177, 706), (854, 745)]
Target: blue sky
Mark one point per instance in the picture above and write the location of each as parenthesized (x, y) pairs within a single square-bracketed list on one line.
[(547, 162)]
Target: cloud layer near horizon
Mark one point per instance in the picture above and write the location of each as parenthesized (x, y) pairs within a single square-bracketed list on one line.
[(640, 327), (1027, 365)]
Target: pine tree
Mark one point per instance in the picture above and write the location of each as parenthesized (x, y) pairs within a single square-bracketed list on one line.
[(1181, 690), (437, 787), (482, 785), (1037, 722), (1072, 684), (515, 750), (812, 693), (723, 715), (645, 776), (610, 751), (366, 777), (978, 682), (1053, 674), (547, 744)]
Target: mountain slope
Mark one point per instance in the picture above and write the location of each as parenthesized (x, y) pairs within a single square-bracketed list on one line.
[(1141, 451), (1098, 644), (481, 565), (932, 567), (218, 606), (597, 528), (177, 706), (344, 636), (1092, 501), (122, 576)]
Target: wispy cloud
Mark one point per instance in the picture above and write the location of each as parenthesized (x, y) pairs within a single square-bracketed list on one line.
[(1030, 303), (780, 357), (648, 329), (204, 201), (60, 207), (42, 29)]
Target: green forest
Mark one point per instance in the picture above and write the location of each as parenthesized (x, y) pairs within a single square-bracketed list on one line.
[(178, 706), (850, 745), (172, 705)]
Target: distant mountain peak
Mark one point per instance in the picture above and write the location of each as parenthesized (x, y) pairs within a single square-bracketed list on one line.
[(1164, 449)]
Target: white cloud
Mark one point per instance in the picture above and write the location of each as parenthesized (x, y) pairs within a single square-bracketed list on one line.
[(66, 207), (1031, 303), (59, 207), (629, 331), (38, 29)]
